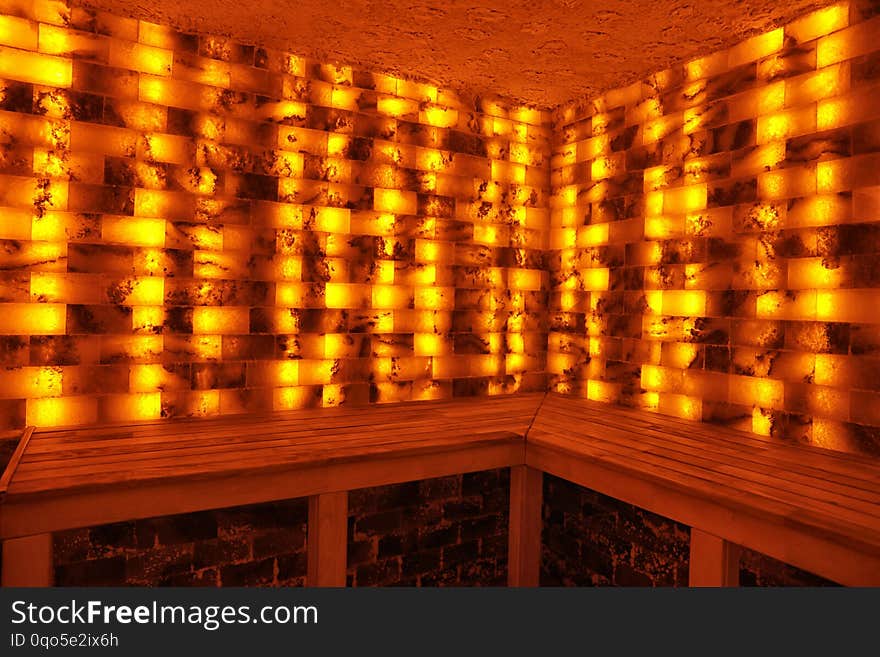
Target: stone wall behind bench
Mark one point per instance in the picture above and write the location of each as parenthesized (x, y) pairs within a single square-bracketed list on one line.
[(590, 539), (449, 531)]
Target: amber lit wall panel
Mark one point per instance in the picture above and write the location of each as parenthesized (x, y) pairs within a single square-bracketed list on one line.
[(193, 226), (716, 233)]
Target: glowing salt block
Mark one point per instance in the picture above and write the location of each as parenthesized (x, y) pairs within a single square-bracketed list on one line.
[(209, 320), (592, 235), (762, 421), (706, 66), (752, 391), (342, 295), (516, 363), (783, 125), (333, 220), (603, 167), (343, 98), (397, 107), (833, 176), (18, 33), (35, 68), (658, 227), (846, 44), (135, 407), (819, 23), (428, 344), (435, 298), (508, 172), (291, 398), (811, 273), (683, 406), (824, 83), (147, 378), (487, 234), (525, 279), (146, 292), (147, 319), (386, 297), (680, 355), (438, 116), (831, 113), (602, 391), (830, 370), (655, 378), (595, 279), (140, 57), (787, 183), (286, 372), (564, 238), (33, 319), (657, 129), (394, 201), (430, 251), (756, 48), (431, 160), (520, 153), (60, 411), (316, 372)]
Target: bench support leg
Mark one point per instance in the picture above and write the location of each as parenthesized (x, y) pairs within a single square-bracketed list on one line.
[(27, 561), (524, 555), (327, 539), (714, 561)]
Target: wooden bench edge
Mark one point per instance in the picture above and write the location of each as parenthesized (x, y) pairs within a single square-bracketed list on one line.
[(15, 459)]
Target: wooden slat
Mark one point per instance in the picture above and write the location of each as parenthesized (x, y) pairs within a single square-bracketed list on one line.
[(813, 496), (14, 460), (848, 464), (705, 486), (273, 460), (220, 442), (765, 460), (90, 505), (843, 558), (526, 503), (327, 542), (713, 561)]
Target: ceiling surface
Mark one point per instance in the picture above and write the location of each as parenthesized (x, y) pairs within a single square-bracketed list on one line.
[(541, 52)]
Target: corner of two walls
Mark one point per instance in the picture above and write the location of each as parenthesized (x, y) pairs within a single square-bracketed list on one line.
[(715, 234), (193, 226)]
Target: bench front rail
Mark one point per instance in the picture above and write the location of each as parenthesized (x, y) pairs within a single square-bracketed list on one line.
[(812, 508)]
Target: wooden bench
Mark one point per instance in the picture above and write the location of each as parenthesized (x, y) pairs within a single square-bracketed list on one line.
[(812, 508), (83, 477)]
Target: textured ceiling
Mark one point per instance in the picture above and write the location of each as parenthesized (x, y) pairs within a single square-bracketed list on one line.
[(542, 52)]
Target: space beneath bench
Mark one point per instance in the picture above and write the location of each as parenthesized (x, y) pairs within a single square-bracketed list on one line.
[(815, 509)]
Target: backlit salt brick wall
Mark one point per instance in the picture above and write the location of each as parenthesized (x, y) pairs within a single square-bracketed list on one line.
[(190, 226), (716, 236)]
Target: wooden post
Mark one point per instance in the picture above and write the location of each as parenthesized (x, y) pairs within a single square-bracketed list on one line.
[(714, 561), (328, 539), (27, 561), (524, 552)]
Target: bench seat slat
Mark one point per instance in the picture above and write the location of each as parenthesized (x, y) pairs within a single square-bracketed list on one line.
[(123, 448), (97, 461), (273, 460), (794, 452), (335, 416), (706, 451), (780, 511), (855, 511)]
